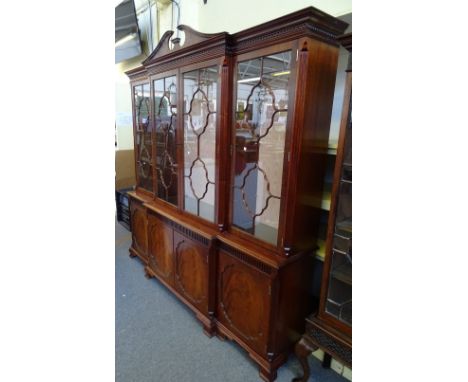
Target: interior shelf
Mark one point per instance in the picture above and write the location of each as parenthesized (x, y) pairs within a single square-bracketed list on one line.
[(323, 202), (320, 253), (332, 146)]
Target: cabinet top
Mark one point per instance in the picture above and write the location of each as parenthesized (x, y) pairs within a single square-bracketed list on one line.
[(169, 53)]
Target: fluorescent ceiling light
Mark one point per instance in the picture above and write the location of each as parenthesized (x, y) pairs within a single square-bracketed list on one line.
[(249, 80), (125, 39), (281, 73)]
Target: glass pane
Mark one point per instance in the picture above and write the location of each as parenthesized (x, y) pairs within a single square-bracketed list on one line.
[(143, 136), (200, 107), (261, 116), (348, 142), (339, 298), (338, 97), (142, 107), (165, 113)]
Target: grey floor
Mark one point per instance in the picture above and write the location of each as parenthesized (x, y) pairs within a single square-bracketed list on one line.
[(159, 339)]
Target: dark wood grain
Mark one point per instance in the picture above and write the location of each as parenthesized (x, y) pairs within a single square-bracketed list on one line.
[(160, 247), (243, 301), (191, 270)]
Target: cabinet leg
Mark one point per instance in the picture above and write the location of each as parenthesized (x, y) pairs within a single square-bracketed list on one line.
[(208, 330), (268, 376), (131, 254), (302, 350), (147, 274)]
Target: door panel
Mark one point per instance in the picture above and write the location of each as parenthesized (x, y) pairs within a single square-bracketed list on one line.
[(262, 97), (160, 258), (200, 120), (143, 138), (191, 270), (243, 301), (139, 238)]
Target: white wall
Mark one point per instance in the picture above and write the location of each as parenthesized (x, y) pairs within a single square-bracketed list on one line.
[(123, 104), (233, 16)]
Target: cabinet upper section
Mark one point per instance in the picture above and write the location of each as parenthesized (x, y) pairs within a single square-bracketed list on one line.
[(231, 130), (186, 46)]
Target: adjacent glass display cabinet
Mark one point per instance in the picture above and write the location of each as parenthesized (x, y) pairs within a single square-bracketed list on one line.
[(231, 135), (330, 328)]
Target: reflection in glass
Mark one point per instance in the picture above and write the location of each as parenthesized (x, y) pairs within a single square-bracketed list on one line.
[(143, 136), (200, 107), (338, 97), (339, 298), (261, 116), (165, 111)]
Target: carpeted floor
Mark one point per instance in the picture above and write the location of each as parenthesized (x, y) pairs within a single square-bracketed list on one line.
[(158, 339)]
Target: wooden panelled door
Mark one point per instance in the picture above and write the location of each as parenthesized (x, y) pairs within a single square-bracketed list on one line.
[(139, 233), (160, 249), (191, 270), (244, 301)]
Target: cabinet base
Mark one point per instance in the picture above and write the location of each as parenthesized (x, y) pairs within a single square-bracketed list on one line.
[(134, 253), (206, 322), (148, 274), (267, 367), (268, 376)]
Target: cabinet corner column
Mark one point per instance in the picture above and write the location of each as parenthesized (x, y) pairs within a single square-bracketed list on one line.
[(223, 139), (294, 148)]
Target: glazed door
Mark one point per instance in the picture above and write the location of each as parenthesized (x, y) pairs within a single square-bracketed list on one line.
[(339, 292), (191, 270), (143, 136), (200, 119), (160, 254), (165, 130), (244, 301), (259, 135), (139, 224)]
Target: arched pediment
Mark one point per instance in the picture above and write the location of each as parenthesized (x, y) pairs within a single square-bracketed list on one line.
[(169, 44), (161, 49)]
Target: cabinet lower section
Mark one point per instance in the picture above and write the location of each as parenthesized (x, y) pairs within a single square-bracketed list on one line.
[(260, 305)]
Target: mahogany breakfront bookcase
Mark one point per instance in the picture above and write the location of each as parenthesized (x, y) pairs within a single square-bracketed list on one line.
[(231, 135), (330, 328)]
